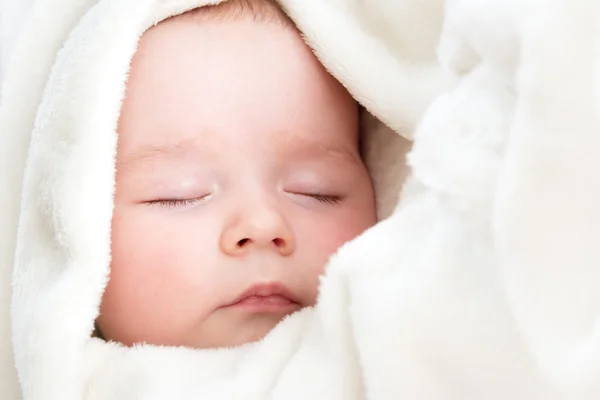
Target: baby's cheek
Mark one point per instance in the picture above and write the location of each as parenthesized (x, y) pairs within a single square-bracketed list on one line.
[(163, 265), (321, 239), (137, 274), (328, 235), (351, 224), (332, 238), (153, 281)]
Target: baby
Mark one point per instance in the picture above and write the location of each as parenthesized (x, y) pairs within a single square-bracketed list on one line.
[(238, 175)]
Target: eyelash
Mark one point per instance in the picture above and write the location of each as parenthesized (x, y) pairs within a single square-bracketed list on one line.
[(174, 203), (177, 203), (323, 198)]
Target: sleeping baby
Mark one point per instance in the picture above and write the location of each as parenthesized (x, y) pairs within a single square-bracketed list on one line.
[(178, 174), (238, 175)]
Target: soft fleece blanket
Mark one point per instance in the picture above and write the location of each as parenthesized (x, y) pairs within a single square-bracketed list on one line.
[(480, 284), (12, 16)]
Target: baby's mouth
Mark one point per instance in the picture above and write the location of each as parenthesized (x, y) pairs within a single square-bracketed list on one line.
[(267, 297)]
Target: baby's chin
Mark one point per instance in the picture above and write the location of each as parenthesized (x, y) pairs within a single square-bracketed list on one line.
[(229, 327), (250, 329)]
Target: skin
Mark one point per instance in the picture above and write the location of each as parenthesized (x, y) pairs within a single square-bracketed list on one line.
[(237, 164)]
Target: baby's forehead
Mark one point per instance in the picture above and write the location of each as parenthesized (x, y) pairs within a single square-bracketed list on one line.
[(182, 87), (254, 11)]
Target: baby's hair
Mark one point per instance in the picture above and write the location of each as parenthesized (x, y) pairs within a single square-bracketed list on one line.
[(256, 10)]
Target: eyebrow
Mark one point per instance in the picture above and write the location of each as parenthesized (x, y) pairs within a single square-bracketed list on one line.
[(170, 151), (301, 148), (154, 151), (309, 148)]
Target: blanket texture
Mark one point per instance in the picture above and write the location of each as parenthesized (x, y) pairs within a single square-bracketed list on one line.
[(479, 281)]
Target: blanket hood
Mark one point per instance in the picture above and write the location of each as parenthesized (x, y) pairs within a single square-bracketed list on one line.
[(60, 106)]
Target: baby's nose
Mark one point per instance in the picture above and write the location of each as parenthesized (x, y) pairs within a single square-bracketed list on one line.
[(265, 229)]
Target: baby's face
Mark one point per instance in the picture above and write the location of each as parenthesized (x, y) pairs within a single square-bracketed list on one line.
[(238, 175)]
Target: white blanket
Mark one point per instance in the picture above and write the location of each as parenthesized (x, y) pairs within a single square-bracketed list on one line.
[(481, 284), (12, 17)]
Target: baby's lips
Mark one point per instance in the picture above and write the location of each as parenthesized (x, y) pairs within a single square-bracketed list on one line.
[(267, 304), (268, 294)]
